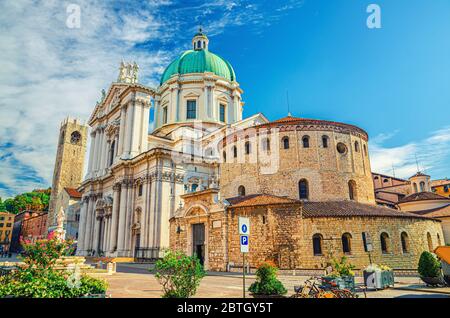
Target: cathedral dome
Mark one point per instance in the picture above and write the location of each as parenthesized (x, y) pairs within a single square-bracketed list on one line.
[(199, 60)]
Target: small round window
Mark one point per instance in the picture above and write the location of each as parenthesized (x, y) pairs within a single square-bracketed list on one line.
[(341, 148)]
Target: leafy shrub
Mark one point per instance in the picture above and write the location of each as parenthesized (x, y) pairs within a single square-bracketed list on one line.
[(179, 274), (43, 254), (51, 284), (266, 282), (429, 265), (38, 278), (341, 267)]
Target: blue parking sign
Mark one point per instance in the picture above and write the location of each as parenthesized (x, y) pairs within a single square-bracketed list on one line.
[(244, 243)]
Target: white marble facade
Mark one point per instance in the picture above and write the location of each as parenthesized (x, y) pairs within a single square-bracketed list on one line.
[(135, 177)]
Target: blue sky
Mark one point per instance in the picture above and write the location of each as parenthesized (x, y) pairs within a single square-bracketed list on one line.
[(393, 82)]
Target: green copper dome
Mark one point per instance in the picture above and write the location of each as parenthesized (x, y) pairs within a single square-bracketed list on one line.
[(199, 61)]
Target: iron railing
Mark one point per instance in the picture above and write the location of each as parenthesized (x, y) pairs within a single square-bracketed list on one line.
[(147, 254)]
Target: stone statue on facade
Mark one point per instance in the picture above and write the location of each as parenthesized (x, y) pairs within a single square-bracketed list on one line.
[(128, 73), (60, 232)]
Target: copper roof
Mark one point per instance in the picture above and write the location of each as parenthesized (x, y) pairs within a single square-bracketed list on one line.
[(259, 199), (422, 196), (73, 193), (352, 209)]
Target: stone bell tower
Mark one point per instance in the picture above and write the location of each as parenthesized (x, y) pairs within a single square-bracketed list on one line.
[(69, 163)]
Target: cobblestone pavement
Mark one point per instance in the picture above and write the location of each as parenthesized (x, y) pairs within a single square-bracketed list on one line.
[(135, 281)]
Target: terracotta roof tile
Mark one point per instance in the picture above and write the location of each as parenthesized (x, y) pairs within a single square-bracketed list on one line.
[(73, 193), (421, 196), (436, 212), (350, 209), (259, 199)]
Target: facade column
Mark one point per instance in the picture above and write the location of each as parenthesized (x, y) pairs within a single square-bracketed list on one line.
[(120, 144), (102, 149), (144, 212), (91, 154), (96, 233), (88, 232), (129, 130), (107, 234), (152, 212), (156, 112), (122, 216), (82, 225), (210, 101), (114, 218), (129, 219), (96, 148)]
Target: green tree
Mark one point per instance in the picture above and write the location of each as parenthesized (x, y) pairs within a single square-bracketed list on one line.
[(429, 266), (179, 274)]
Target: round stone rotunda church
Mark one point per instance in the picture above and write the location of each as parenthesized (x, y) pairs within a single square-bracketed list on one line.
[(305, 184)]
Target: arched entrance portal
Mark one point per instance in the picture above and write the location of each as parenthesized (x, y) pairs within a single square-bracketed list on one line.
[(198, 241)]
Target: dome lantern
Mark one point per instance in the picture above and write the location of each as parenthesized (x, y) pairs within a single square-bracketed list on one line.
[(200, 41)]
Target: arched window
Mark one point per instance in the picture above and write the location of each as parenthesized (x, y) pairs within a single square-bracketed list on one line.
[(415, 187), (199, 44), (194, 187), (430, 242), (352, 189), (234, 152), (356, 146), (112, 150), (347, 243), (422, 186), (384, 239), (317, 244), (305, 141), (405, 242), (325, 141), (224, 156), (266, 144), (140, 188), (303, 189), (286, 142), (365, 150), (75, 137), (438, 239), (241, 191), (247, 148)]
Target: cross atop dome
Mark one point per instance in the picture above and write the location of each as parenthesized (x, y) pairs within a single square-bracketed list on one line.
[(200, 41)]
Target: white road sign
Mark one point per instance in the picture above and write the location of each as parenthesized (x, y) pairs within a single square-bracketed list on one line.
[(244, 226)]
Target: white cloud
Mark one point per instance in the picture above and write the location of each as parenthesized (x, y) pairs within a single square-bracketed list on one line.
[(432, 153), (50, 71)]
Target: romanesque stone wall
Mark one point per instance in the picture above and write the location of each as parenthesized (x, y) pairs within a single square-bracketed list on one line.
[(280, 234), (275, 234), (332, 230), (326, 170)]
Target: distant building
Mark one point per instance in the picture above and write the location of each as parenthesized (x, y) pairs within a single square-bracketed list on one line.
[(35, 227), (418, 195), (6, 229), (69, 199), (441, 187), (29, 225)]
